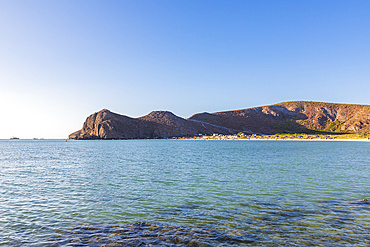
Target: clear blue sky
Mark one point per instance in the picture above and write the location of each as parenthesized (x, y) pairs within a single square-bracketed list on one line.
[(60, 61)]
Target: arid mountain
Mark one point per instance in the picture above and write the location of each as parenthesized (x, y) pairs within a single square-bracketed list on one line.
[(295, 117), (157, 124), (287, 117)]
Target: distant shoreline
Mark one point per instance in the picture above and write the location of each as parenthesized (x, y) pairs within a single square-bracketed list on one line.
[(203, 139), (281, 137), (252, 139)]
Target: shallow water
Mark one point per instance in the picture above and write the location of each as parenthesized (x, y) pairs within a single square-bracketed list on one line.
[(184, 193)]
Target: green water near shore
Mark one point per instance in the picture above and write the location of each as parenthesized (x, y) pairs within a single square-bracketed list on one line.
[(250, 192)]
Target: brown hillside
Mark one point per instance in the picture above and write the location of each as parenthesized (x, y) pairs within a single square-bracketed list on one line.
[(286, 117), (157, 124), (298, 116)]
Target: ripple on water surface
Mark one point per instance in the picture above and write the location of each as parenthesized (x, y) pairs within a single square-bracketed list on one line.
[(56, 193), (147, 234)]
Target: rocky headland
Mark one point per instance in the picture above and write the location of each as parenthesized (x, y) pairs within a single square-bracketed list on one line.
[(286, 117)]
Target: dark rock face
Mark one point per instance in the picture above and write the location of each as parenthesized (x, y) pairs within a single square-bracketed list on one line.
[(288, 117), (158, 124), (75, 135)]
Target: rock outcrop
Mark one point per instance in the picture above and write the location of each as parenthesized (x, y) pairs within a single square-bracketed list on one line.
[(287, 117), (157, 124)]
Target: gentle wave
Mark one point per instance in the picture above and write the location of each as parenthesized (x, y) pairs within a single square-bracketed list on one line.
[(56, 193)]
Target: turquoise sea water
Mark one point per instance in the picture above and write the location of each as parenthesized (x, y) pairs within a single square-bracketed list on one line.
[(184, 193)]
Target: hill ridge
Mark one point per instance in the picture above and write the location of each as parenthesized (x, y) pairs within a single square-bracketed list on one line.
[(284, 117)]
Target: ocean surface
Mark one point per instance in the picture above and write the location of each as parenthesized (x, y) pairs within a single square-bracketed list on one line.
[(184, 193)]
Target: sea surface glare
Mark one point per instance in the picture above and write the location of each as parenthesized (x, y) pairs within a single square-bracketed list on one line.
[(184, 193)]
